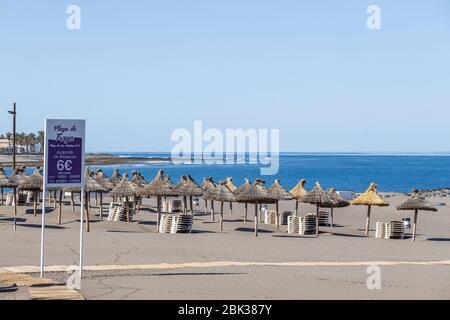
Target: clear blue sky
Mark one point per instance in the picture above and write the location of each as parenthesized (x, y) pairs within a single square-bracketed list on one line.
[(139, 69)]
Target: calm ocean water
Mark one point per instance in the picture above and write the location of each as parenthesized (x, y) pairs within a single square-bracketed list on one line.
[(396, 173), (353, 172)]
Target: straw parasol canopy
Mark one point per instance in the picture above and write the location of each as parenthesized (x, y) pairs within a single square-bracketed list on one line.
[(370, 198), (103, 180), (278, 192), (223, 194), (416, 202), (33, 183), (187, 187), (298, 192), (158, 187), (338, 202), (19, 175), (319, 198), (230, 184), (254, 193), (5, 181), (138, 178), (208, 186), (125, 188), (116, 178)]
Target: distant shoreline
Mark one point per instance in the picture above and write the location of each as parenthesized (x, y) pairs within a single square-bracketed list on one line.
[(92, 159)]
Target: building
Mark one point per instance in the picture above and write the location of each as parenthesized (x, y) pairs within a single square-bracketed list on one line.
[(6, 146)]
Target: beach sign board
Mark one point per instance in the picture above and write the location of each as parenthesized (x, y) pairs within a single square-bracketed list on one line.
[(64, 163), (64, 146)]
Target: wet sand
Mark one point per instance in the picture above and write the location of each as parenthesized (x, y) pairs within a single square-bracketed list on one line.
[(126, 244)]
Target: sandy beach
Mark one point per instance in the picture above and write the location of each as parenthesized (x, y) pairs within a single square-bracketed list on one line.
[(132, 261)]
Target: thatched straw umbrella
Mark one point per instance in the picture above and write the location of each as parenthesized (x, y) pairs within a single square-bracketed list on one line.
[(125, 189), (116, 177), (232, 187), (370, 198), (298, 192), (223, 194), (18, 176), (338, 202), (253, 193), (320, 198), (278, 192), (158, 187), (5, 182), (416, 202), (208, 186), (138, 178), (34, 184), (187, 187), (247, 184)]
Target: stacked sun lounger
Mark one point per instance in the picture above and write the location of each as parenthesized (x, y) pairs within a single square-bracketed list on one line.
[(21, 199), (294, 224), (302, 225), (380, 231), (270, 217), (395, 230), (283, 216), (9, 199), (118, 213), (30, 197), (323, 217), (181, 223), (390, 230)]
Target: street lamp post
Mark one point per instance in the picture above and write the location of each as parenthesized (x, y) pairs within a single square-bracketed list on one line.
[(13, 113)]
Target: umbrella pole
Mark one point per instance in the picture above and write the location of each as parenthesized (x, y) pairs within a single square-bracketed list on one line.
[(87, 195), (414, 225), (277, 215), (221, 215), (72, 202), (158, 209), (317, 221), (231, 208), (15, 201), (256, 219), (368, 219), (246, 210), (184, 204), (60, 207), (96, 198), (191, 204), (296, 207), (126, 209), (54, 199), (332, 209), (206, 206), (101, 205), (212, 210), (35, 203)]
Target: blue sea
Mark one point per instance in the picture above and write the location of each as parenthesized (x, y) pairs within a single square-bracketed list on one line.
[(352, 172)]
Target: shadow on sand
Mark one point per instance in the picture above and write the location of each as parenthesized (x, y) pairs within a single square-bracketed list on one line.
[(253, 230)]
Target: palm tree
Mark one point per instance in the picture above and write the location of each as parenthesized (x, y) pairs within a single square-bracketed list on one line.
[(9, 136), (40, 139)]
